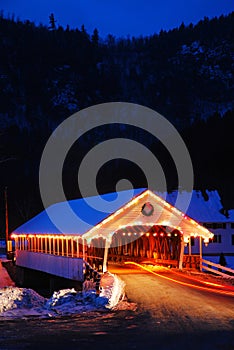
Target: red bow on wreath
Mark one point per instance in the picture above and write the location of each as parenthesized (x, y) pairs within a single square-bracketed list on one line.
[(147, 209)]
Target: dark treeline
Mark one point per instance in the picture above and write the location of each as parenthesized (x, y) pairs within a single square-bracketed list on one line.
[(48, 73)]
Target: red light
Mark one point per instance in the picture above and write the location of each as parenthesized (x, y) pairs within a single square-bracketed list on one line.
[(180, 282)]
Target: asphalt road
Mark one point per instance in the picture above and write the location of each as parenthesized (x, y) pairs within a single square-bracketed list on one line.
[(177, 308), (169, 316)]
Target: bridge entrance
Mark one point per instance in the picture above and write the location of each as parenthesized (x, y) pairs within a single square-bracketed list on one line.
[(146, 228), (139, 243)]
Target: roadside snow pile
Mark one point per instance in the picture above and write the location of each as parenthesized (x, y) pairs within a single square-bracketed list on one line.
[(13, 300), (22, 302), (112, 289), (69, 301)]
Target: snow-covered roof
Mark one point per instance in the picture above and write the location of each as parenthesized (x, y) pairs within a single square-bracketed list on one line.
[(231, 215), (200, 209), (89, 216), (157, 212)]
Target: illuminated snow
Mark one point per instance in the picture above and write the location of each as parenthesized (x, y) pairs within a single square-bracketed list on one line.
[(24, 302), (114, 292)]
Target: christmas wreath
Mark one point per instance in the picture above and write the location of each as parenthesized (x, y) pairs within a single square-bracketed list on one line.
[(147, 209)]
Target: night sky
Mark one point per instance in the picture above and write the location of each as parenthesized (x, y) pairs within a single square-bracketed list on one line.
[(120, 18)]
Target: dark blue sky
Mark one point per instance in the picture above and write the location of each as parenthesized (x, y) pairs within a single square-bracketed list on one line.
[(118, 17)]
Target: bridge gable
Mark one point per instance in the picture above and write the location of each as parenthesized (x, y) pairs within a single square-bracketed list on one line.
[(148, 209)]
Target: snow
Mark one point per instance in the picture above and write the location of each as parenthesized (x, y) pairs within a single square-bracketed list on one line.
[(114, 291), (13, 299), (231, 215), (194, 49), (24, 302), (200, 209), (42, 224), (215, 259)]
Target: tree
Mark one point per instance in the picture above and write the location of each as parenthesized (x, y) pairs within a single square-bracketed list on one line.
[(52, 22), (95, 37), (110, 40), (84, 32)]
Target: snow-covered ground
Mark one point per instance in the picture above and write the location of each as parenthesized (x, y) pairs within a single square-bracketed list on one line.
[(215, 259), (23, 302)]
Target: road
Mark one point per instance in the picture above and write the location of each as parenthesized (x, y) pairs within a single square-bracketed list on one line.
[(170, 316), (176, 307)]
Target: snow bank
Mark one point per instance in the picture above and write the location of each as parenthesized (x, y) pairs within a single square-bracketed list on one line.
[(69, 301), (112, 289), (15, 302), (24, 302)]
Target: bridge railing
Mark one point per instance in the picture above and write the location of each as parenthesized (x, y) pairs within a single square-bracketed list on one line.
[(217, 269), (92, 278)]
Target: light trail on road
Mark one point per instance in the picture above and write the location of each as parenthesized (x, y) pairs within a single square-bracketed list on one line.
[(180, 282), (204, 282)]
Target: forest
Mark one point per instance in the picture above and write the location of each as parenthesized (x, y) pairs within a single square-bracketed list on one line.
[(47, 73)]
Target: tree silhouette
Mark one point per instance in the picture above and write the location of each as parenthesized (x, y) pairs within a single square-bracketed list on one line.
[(95, 37), (52, 22)]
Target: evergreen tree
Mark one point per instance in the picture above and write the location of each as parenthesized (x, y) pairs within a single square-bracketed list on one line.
[(52, 22), (95, 37)]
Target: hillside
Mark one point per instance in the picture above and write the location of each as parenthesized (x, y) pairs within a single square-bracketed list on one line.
[(186, 74)]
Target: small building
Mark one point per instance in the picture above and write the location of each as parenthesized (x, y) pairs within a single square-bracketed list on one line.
[(142, 226)]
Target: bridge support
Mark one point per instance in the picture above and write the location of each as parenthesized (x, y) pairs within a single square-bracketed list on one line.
[(200, 252), (181, 253), (107, 246)]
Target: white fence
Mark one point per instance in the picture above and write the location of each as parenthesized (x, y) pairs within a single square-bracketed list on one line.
[(217, 269)]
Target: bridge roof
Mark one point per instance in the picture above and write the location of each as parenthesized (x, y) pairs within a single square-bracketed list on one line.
[(89, 216), (126, 211), (148, 209)]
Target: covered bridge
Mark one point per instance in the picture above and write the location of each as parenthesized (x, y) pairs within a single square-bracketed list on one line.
[(143, 227)]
